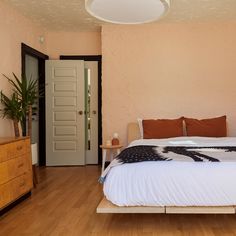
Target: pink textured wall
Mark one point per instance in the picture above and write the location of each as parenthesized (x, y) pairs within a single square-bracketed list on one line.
[(73, 43), (14, 29), (150, 71), (166, 71)]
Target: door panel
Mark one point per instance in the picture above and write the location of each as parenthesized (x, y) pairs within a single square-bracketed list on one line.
[(65, 144), (64, 87), (65, 116), (65, 72), (65, 131), (66, 102), (91, 107)]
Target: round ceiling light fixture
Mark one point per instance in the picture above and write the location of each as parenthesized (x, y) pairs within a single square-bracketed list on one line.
[(127, 11)]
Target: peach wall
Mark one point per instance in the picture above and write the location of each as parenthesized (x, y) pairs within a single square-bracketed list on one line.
[(166, 71), (73, 43), (14, 29)]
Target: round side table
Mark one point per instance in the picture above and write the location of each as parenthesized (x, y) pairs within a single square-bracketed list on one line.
[(111, 149)]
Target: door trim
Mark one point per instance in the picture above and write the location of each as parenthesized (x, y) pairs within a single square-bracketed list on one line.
[(97, 58), (27, 50)]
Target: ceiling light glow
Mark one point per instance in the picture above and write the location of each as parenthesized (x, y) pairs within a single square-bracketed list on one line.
[(127, 11)]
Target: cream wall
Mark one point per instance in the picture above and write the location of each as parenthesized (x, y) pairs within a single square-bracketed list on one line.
[(73, 43), (166, 71), (14, 29)]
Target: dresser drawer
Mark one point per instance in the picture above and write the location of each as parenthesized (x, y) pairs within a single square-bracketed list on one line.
[(15, 149), (5, 195), (27, 145), (2, 153), (14, 167), (3, 173), (15, 188), (21, 185)]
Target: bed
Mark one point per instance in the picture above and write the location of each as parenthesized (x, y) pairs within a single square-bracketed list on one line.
[(172, 186)]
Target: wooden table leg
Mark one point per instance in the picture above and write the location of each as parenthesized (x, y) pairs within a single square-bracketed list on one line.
[(118, 151), (104, 155), (35, 177), (111, 155)]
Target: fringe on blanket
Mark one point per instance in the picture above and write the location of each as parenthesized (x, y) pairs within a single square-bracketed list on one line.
[(115, 162)]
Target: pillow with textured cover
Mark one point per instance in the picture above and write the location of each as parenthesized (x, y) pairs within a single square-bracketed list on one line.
[(213, 127), (162, 128)]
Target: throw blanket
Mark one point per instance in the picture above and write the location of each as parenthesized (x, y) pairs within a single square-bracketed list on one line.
[(171, 153)]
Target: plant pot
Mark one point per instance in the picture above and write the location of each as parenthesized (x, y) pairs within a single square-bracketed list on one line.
[(34, 151)]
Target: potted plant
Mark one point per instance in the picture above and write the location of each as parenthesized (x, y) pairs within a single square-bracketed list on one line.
[(27, 92), (12, 110)]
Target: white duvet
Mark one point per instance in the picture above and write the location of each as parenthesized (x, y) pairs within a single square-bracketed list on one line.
[(174, 183)]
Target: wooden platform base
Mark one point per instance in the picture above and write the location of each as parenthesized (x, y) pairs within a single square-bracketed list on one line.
[(201, 210), (106, 206)]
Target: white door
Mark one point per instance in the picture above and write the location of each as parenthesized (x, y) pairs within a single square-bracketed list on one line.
[(65, 143), (91, 108)]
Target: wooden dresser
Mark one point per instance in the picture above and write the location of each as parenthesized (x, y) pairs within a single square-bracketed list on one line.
[(15, 169)]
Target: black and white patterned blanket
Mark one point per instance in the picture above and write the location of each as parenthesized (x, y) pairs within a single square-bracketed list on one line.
[(172, 153)]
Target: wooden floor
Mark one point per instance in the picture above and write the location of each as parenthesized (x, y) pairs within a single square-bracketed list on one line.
[(65, 202)]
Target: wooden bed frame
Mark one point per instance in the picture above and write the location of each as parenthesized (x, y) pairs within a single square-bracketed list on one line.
[(106, 206)]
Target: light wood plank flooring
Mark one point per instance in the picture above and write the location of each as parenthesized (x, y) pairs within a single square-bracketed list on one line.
[(65, 202)]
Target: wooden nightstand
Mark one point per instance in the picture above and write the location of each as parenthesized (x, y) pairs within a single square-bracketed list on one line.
[(111, 149)]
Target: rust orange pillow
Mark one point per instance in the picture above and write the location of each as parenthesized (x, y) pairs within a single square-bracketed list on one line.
[(162, 128), (214, 127)]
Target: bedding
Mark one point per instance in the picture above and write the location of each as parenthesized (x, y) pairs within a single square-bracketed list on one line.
[(162, 128), (171, 177), (213, 127)]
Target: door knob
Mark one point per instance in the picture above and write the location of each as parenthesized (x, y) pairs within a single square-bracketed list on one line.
[(94, 112), (80, 112)]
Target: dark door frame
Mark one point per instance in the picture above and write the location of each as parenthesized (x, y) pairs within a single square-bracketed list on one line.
[(26, 50), (97, 58)]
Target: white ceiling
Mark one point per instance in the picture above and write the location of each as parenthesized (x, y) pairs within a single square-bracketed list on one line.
[(70, 15)]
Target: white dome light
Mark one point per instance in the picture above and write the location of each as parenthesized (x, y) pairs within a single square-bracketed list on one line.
[(127, 11)]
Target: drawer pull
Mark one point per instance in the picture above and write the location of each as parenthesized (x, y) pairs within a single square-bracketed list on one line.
[(20, 165), (19, 148), (22, 184)]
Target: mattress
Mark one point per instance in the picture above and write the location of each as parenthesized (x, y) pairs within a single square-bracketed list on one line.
[(163, 183)]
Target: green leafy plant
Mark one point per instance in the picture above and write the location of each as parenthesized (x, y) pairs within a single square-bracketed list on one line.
[(12, 110), (28, 93)]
